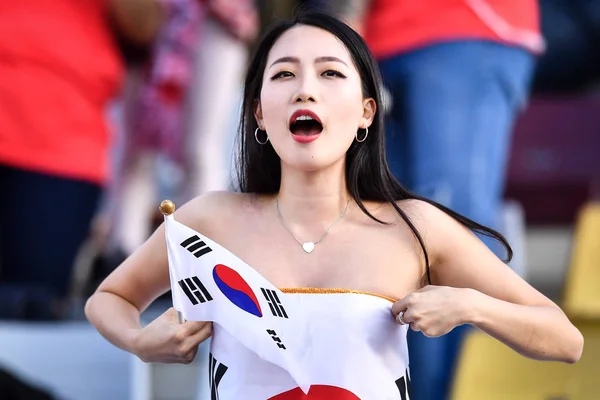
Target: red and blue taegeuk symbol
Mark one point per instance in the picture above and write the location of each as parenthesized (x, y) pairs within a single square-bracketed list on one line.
[(317, 392), (236, 289)]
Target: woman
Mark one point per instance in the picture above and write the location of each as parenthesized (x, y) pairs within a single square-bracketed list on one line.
[(319, 210)]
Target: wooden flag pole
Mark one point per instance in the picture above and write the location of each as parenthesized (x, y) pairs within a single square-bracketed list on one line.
[(167, 208)]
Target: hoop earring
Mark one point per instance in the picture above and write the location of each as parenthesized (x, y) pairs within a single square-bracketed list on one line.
[(256, 137), (364, 138)]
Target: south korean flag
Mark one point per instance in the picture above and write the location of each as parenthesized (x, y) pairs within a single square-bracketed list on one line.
[(209, 283)]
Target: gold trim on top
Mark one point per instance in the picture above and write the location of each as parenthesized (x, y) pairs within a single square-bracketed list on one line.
[(315, 290)]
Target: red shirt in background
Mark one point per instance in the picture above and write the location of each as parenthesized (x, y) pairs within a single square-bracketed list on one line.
[(59, 67), (395, 26)]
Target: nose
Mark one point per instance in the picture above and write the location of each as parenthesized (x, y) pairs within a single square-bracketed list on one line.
[(304, 97), (306, 91)]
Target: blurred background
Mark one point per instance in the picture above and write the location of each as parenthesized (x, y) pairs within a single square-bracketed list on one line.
[(109, 106)]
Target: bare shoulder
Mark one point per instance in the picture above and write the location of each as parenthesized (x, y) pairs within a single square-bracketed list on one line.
[(214, 201), (423, 215), (427, 216), (215, 208), (423, 212), (437, 227)]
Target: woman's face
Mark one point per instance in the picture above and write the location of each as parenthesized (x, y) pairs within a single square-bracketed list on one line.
[(311, 103)]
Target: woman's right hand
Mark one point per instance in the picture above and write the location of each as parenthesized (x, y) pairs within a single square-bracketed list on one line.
[(165, 340)]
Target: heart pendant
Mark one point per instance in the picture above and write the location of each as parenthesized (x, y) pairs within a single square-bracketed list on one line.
[(308, 246)]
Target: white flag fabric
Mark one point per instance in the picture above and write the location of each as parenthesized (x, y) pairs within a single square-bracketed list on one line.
[(209, 283), (285, 344), (356, 352)]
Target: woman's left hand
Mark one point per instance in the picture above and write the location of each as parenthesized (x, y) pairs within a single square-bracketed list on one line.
[(434, 310)]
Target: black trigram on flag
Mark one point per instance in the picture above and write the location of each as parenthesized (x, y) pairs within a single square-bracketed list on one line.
[(195, 246), (404, 386), (276, 338), (216, 371), (194, 290), (274, 303)]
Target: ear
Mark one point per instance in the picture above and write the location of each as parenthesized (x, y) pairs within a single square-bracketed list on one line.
[(258, 116), (369, 110)]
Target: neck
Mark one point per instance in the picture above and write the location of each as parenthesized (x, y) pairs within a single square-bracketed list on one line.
[(311, 201)]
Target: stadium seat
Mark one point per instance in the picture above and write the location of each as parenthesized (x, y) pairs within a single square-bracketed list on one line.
[(489, 370), (553, 166), (588, 368), (582, 289)]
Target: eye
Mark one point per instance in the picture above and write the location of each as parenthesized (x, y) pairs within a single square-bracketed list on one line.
[(282, 74), (333, 73)]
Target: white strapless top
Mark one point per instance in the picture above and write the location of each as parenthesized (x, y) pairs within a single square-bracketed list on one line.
[(336, 344), (356, 351)]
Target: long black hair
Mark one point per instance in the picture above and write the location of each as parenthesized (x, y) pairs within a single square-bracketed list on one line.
[(368, 177)]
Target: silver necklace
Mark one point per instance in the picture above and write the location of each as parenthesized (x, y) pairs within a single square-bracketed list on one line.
[(308, 247)]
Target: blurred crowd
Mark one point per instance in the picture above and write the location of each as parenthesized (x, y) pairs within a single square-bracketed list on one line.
[(109, 106)]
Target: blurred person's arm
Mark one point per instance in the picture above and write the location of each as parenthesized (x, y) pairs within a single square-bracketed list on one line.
[(137, 20), (353, 12)]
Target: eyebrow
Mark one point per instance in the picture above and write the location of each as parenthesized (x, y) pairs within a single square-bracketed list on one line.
[(296, 60)]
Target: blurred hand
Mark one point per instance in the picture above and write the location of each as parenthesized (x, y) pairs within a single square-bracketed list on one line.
[(165, 340), (433, 310), (240, 19), (245, 26)]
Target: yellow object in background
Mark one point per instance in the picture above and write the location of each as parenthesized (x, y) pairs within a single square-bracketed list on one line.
[(489, 370), (582, 288)]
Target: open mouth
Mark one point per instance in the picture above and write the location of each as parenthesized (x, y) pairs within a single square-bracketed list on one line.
[(305, 123)]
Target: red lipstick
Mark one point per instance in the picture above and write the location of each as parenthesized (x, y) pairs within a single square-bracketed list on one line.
[(305, 126)]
